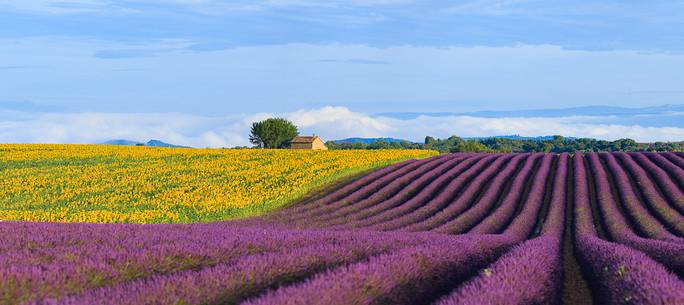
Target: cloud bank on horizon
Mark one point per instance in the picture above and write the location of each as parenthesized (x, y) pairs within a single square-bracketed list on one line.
[(330, 122)]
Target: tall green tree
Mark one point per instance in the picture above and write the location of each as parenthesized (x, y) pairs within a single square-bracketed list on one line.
[(273, 133)]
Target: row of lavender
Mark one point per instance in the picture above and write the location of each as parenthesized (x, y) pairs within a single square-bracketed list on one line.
[(514, 209), (631, 269), (452, 194), (114, 264)]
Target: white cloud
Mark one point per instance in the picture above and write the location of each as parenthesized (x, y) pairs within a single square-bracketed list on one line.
[(574, 126), (487, 7), (328, 122), (63, 6), (184, 129), (327, 3), (202, 6), (335, 122)]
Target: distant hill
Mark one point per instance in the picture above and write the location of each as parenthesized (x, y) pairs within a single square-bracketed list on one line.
[(152, 143), (368, 140), (157, 143)]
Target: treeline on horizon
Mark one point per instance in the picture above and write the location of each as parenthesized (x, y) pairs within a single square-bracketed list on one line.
[(556, 144)]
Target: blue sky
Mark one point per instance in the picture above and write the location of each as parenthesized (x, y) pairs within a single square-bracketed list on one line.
[(209, 59)]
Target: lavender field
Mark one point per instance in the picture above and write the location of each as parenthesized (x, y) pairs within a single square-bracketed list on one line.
[(601, 228)]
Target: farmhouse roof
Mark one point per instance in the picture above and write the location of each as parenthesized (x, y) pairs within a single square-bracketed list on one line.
[(304, 139)]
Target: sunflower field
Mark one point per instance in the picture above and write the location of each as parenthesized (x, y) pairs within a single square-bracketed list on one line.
[(128, 184)]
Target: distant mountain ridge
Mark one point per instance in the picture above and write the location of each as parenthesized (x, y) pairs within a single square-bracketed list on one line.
[(152, 143), (561, 112), (123, 142)]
